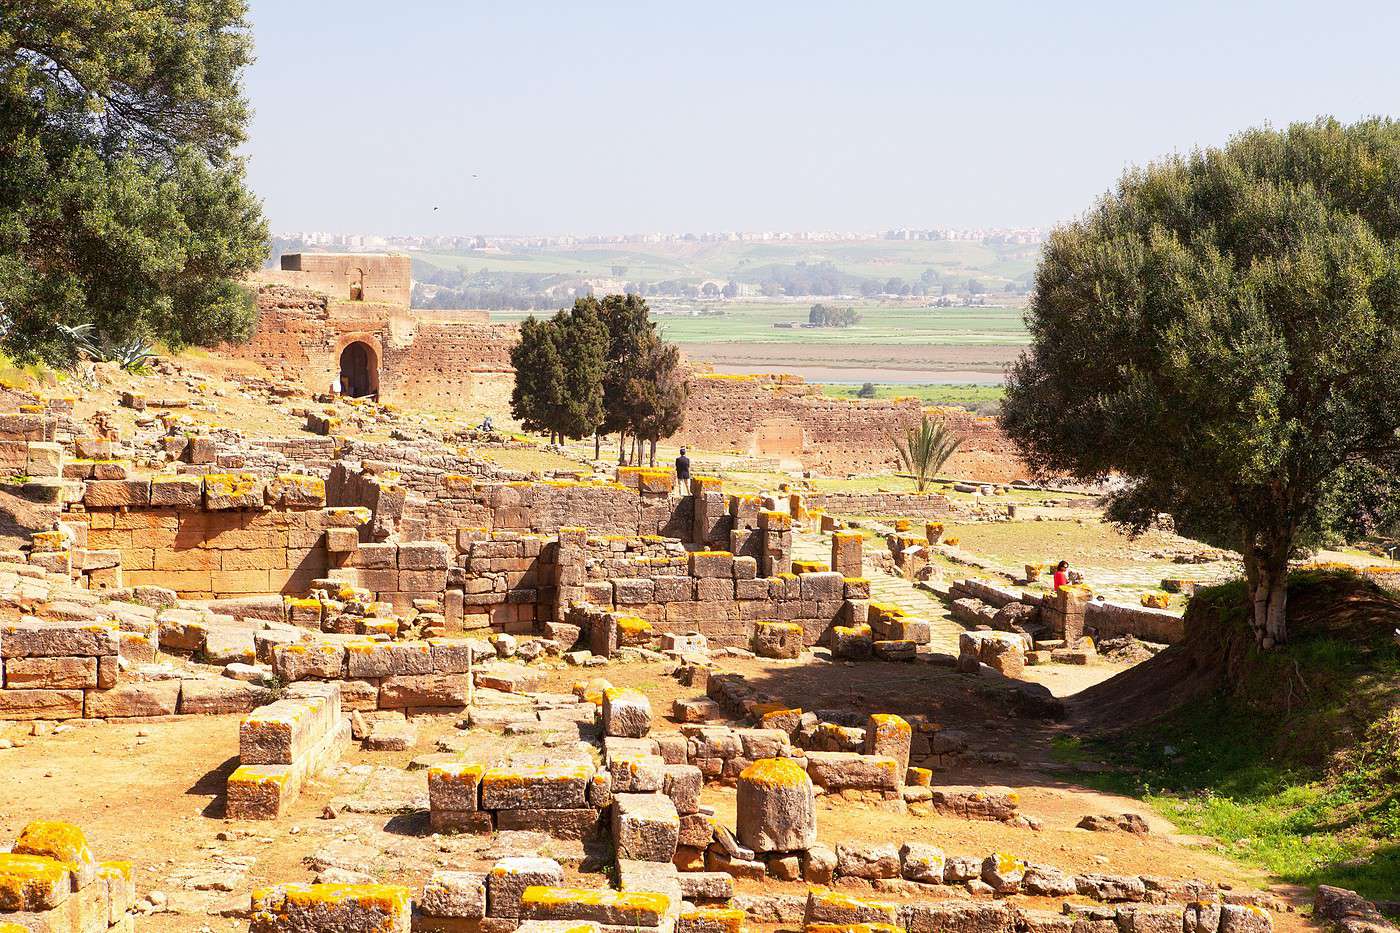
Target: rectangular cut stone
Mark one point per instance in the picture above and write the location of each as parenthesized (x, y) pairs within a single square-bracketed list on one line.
[(510, 877), (841, 770), (627, 909), (582, 823), (145, 698), (50, 673), (458, 894), (417, 690), (302, 908), (35, 638), (455, 786), (41, 704), (534, 787), (645, 827)]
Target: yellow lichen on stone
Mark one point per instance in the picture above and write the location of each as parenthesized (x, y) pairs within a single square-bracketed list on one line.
[(259, 774), (516, 775), (890, 721), (775, 772), (809, 566), (385, 898), (62, 842), (467, 772), (1006, 864), (229, 484), (641, 902), (633, 624), (729, 919), (29, 879), (851, 928), (919, 777)]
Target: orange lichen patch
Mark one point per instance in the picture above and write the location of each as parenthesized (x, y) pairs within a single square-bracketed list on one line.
[(260, 774), (516, 775), (48, 541), (902, 524), (297, 602), (1013, 797), (381, 627), (115, 870), (642, 902), (455, 483), (809, 566), (28, 881), (1076, 590), (919, 777), (1155, 600), (633, 624), (774, 519), (463, 772), (729, 919), (62, 842), (851, 928), (1007, 864), (8, 927), (592, 690), (890, 722), (852, 631), (352, 516), (775, 772), (229, 484), (887, 610), (847, 534), (703, 484), (383, 898), (952, 542), (774, 711)]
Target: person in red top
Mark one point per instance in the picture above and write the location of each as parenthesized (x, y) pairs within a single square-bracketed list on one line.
[(1061, 574)]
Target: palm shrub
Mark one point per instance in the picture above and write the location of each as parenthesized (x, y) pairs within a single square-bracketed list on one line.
[(925, 447)]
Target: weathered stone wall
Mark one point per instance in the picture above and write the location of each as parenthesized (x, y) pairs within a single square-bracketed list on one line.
[(428, 360), (778, 415), (879, 503), (378, 277)]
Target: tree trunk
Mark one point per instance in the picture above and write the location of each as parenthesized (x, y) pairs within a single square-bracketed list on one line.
[(622, 447), (597, 446), (653, 451), (1266, 572)]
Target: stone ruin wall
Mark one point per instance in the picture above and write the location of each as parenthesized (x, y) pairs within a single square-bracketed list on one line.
[(778, 415), (430, 359)]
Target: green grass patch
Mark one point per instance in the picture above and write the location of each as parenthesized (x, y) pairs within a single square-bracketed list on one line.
[(1294, 792), (974, 397)]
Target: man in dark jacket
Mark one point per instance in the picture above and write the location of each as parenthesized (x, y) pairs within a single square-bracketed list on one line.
[(682, 467)]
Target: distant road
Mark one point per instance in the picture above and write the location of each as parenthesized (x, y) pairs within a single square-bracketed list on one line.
[(910, 364)]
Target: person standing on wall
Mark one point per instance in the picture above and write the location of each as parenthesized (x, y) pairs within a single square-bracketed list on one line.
[(682, 468)]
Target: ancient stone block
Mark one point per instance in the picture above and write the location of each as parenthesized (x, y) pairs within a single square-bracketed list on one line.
[(776, 806), (645, 827)]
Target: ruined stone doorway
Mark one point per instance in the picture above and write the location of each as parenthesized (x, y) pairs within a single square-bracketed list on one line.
[(359, 371)]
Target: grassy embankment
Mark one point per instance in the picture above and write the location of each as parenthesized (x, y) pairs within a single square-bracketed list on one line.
[(1296, 769)]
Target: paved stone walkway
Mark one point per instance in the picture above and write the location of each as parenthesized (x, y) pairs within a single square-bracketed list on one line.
[(808, 544)]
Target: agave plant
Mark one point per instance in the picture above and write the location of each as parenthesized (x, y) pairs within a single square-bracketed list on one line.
[(132, 354), (925, 447)]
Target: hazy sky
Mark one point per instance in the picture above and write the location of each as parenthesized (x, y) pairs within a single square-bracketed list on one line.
[(603, 117)]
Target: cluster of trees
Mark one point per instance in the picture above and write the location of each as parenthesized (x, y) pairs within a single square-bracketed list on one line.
[(123, 214), (1222, 333), (831, 316), (599, 368)]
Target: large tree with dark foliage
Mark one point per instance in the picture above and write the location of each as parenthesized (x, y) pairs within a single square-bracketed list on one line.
[(1221, 333), (559, 366), (123, 213)]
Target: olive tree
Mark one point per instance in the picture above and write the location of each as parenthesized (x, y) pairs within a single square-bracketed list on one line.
[(1220, 335)]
